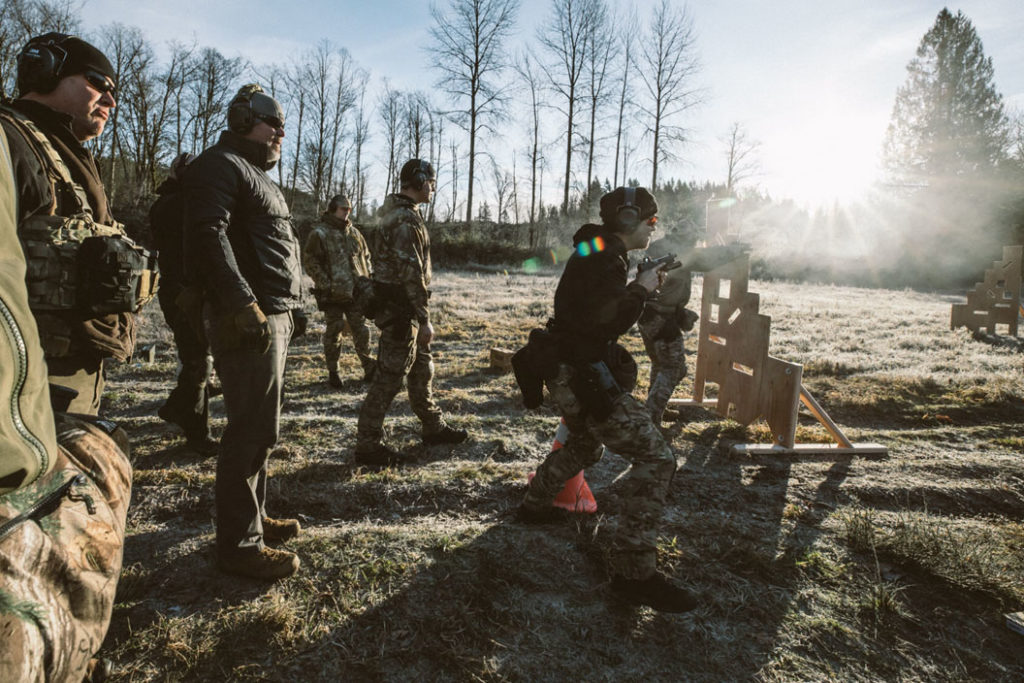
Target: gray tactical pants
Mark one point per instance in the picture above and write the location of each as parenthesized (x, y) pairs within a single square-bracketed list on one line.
[(252, 385)]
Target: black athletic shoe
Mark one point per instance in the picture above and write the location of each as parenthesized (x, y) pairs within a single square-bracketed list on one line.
[(381, 456), (446, 435), (656, 592)]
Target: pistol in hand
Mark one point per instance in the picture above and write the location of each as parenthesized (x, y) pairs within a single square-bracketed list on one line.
[(664, 263)]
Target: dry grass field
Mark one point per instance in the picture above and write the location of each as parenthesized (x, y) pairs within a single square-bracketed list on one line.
[(808, 568)]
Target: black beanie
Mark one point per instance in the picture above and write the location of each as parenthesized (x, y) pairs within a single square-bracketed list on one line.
[(81, 56), (616, 199)]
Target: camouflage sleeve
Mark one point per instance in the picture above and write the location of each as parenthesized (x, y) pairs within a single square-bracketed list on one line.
[(313, 260), (411, 255), (361, 262)]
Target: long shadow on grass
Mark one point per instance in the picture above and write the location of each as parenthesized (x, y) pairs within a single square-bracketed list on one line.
[(427, 595), (742, 536), (529, 603)]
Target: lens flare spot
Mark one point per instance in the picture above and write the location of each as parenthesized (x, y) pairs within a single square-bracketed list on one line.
[(589, 247), (531, 265)]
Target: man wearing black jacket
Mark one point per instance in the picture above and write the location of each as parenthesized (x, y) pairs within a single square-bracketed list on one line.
[(240, 246), (188, 406), (593, 306)]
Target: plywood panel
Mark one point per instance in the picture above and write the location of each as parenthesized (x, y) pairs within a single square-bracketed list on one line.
[(995, 300)]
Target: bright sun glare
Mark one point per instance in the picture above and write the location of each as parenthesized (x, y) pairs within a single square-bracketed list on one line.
[(828, 156)]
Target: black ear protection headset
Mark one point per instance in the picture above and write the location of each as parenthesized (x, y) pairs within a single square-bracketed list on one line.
[(420, 176), (40, 64), (628, 213), (241, 117)]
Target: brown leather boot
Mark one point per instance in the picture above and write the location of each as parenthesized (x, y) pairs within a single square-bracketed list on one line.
[(267, 564), (280, 530)]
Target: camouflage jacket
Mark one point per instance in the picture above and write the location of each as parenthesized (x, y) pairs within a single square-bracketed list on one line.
[(335, 254), (402, 252)]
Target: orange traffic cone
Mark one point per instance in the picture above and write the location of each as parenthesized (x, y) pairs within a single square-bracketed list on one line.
[(575, 496)]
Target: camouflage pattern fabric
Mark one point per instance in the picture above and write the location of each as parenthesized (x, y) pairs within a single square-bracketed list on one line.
[(61, 542), (398, 356), (668, 362), (336, 316), (629, 432), (335, 254), (673, 292), (402, 252)]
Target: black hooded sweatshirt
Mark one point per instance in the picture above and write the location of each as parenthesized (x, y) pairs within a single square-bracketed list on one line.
[(593, 303)]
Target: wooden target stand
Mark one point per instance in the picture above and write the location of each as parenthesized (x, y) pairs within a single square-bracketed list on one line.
[(732, 352), (995, 300)]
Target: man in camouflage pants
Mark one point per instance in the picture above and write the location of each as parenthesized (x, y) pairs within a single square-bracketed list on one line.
[(593, 306), (402, 271), (666, 316), (334, 256), (662, 324)]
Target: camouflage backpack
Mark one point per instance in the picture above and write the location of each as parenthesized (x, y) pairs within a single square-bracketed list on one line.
[(64, 492)]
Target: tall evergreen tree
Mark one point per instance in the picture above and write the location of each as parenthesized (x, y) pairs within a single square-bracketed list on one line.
[(948, 122)]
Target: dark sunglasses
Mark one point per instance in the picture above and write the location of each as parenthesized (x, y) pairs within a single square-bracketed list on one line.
[(100, 82), (271, 121)]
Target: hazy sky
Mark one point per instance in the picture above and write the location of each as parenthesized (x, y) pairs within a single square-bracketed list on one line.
[(813, 80)]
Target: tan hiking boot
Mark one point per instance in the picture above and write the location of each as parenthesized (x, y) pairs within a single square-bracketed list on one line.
[(280, 530), (268, 564)]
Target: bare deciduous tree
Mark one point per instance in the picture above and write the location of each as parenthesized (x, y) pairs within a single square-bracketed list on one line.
[(389, 107), (360, 137), (502, 189), (565, 39), (668, 68), (469, 53), (131, 60), (741, 157), (20, 20), (212, 89), (601, 51), (629, 28), (530, 76)]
